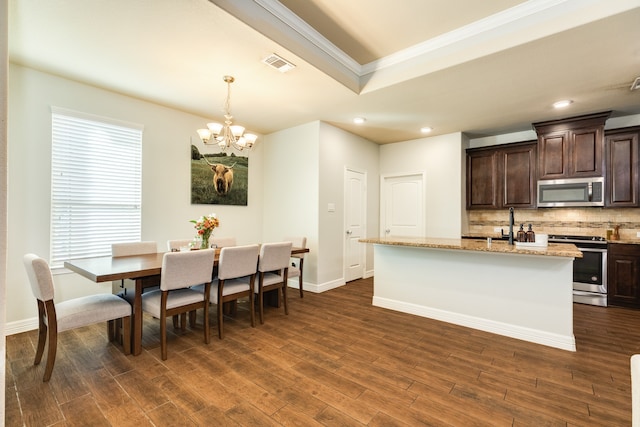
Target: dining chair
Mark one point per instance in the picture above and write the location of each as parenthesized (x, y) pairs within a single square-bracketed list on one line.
[(133, 248), (295, 269), (234, 264), (180, 271), (175, 245), (130, 249), (223, 242), (273, 266), (74, 313)]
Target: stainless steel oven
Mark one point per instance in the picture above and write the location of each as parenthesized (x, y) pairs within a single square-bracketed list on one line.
[(590, 271)]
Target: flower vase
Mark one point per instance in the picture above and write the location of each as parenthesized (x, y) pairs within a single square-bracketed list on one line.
[(205, 241)]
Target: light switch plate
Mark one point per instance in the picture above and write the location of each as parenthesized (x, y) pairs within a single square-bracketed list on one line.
[(638, 234), (497, 229), (331, 207)]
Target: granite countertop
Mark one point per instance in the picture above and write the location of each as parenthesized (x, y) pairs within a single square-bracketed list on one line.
[(553, 249)]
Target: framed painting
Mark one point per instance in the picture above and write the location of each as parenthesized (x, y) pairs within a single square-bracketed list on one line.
[(219, 178)]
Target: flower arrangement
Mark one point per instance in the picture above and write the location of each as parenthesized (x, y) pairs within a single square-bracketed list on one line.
[(204, 226)]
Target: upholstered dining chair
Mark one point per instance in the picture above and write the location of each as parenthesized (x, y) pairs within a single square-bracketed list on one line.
[(175, 245), (234, 263), (75, 313), (295, 269), (133, 248), (223, 242), (130, 249), (273, 266), (180, 271)]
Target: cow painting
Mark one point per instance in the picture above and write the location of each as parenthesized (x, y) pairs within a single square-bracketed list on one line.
[(222, 177)]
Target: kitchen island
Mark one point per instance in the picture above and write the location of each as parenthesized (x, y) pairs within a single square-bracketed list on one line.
[(524, 293)]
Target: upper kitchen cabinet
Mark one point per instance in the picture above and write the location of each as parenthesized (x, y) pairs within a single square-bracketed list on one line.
[(621, 154), (502, 176), (571, 148)]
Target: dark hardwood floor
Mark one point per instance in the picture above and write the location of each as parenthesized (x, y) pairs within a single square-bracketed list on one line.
[(334, 361)]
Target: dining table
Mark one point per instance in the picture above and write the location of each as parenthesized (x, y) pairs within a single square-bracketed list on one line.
[(144, 270)]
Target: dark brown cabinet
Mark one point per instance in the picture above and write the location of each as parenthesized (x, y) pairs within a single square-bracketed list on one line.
[(502, 176), (571, 148), (623, 275), (621, 154)]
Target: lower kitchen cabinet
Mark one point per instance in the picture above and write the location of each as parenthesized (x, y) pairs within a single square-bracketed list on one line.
[(623, 275)]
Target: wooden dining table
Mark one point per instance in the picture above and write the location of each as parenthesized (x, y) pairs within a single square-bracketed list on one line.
[(144, 270)]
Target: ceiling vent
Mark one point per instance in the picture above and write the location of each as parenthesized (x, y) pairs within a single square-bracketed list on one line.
[(636, 84), (278, 63)]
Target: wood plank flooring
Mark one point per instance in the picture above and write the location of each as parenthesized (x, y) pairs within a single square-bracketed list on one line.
[(334, 361)]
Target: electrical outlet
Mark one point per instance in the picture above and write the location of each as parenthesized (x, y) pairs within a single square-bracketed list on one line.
[(499, 229), (638, 234)]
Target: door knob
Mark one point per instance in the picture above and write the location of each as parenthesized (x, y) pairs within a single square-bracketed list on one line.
[(349, 232), (387, 231)]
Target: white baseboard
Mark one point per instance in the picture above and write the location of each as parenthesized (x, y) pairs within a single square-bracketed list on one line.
[(19, 326), (500, 328), (368, 274), (311, 287)]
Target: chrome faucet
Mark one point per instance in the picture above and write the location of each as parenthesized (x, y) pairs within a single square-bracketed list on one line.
[(511, 221)]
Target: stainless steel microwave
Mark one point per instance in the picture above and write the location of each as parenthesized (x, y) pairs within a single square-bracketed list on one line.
[(571, 192)]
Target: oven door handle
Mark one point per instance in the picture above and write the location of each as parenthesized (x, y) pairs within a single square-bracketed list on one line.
[(592, 250)]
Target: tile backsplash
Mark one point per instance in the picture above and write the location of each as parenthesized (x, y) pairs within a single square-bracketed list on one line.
[(572, 221)]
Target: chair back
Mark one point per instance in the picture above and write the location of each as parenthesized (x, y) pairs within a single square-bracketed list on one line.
[(133, 248), (223, 242), (175, 245), (184, 269), (274, 256), (297, 242), (40, 277), (237, 261)]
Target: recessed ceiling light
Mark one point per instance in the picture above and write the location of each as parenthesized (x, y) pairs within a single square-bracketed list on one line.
[(426, 129), (359, 120), (562, 104)]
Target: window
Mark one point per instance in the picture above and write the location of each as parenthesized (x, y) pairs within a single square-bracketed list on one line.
[(96, 185)]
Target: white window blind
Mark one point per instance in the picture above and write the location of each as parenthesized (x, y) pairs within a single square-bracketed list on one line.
[(96, 185)]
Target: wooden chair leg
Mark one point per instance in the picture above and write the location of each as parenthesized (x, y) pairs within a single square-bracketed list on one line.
[(163, 337), (219, 309), (183, 321), (261, 298), (111, 330), (126, 335), (252, 306), (42, 333), (284, 297), (192, 318), (300, 282), (53, 340)]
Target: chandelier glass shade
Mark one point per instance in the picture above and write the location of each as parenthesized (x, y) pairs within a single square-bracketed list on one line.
[(227, 135)]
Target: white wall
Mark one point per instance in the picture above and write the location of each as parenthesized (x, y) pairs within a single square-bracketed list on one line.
[(440, 158), (166, 206), (340, 150), (290, 186), (308, 162)]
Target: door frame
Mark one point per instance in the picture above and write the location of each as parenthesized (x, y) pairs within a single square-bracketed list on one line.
[(383, 200), (363, 257)]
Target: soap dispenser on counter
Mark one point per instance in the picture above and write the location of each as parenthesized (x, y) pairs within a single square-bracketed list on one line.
[(522, 235), (531, 236)]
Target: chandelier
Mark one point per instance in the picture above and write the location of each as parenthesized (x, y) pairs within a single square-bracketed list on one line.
[(227, 135)]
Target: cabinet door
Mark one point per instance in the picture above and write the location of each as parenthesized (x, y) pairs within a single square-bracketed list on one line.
[(554, 155), (622, 170), (482, 180), (585, 146), (623, 275), (519, 176)]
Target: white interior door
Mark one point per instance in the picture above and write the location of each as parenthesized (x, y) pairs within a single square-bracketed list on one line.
[(355, 217), (402, 206)]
